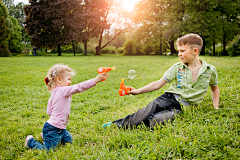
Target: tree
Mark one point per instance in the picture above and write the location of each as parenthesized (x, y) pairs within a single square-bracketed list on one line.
[(229, 18), (54, 23), (64, 22), (4, 52), (93, 13), (161, 21), (117, 19), (172, 19), (15, 34), (17, 12), (8, 3)]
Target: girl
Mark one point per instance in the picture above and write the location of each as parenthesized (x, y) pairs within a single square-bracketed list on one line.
[(58, 81)]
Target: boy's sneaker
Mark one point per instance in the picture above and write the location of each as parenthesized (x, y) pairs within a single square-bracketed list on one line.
[(105, 125), (28, 137)]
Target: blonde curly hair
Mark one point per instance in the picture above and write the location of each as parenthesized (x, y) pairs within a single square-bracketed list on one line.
[(58, 70)]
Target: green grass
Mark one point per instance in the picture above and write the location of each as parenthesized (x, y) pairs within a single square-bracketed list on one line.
[(199, 133)]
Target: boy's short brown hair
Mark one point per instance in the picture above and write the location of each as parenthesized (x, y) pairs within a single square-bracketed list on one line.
[(192, 40)]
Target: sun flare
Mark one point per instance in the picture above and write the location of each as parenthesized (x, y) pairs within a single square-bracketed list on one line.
[(129, 5)]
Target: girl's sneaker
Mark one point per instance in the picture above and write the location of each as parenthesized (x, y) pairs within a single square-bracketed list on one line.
[(28, 137)]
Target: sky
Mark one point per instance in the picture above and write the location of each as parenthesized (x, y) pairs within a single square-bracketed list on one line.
[(24, 1)]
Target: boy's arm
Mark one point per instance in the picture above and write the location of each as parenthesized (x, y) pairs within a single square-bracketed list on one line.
[(215, 96), (150, 87)]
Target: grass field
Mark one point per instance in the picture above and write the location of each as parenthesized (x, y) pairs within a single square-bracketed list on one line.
[(198, 133)]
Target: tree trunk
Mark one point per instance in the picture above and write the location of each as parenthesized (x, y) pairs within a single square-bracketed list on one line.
[(160, 48), (203, 47), (98, 48), (73, 49), (85, 47), (214, 50), (9, 44), (59, 50), (172, 49)]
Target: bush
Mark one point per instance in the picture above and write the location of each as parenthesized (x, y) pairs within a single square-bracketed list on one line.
[(79, 48), (54, 50), (69, 48), (104, 50), (109, 50), (4, 52), (218, 49), (234, 47), (138, 50), (41, 53), (148, 49), (129, 47), (120, 50), (91, 52), (18, 48)]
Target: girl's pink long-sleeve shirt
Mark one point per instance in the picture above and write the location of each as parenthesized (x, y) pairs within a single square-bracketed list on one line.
[(60, 101)]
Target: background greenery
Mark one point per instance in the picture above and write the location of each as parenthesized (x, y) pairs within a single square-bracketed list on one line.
[(152, 27), (199, 133)]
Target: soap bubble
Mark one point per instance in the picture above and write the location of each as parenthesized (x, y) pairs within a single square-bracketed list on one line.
[(131, 74)]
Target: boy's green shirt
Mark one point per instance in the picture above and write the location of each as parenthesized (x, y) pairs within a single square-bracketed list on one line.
[(184, 86)]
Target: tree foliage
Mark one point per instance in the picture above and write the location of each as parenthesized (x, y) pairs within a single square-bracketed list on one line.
[(117, 19), (165, 20), (15, 34), (53, 23), (4, 52)]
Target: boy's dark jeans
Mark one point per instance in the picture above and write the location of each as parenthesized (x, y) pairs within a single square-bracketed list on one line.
[(158, 111), (52, 137)]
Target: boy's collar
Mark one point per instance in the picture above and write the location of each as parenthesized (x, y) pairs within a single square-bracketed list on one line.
[(204, 64)]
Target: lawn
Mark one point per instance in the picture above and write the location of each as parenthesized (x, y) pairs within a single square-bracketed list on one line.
[(198, 133)]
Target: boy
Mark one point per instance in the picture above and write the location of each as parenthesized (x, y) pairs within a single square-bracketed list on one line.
[(192, 77)]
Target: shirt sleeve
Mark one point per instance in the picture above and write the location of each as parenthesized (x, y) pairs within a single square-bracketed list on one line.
[(214, 77), (170, 74), (49, 107), (70, 90)]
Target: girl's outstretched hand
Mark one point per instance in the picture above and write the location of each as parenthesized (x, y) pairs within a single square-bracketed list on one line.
[(101, 77)]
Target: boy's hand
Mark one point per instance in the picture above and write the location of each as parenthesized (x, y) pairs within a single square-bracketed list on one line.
[(133, 91), (101, 77)]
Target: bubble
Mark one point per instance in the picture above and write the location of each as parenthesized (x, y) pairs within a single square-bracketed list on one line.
[(131, 74)]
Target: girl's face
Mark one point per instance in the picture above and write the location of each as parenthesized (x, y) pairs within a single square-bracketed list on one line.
[(66, 81)]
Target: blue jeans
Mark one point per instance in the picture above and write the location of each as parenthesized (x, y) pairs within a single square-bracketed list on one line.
[(160, 110), (52, 137)]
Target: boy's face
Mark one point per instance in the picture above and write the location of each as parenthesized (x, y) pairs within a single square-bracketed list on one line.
[(186, 54)]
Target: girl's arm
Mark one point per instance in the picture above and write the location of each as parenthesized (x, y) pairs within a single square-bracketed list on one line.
[(150, 87), (215, 96), (83, 86)]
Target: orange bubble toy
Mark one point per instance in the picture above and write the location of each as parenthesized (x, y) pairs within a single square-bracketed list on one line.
[(123, 90), (105, 70)]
